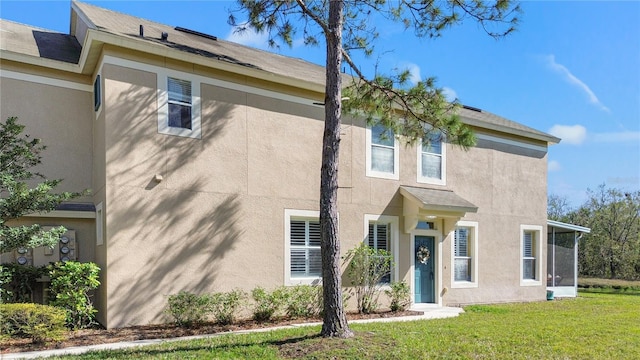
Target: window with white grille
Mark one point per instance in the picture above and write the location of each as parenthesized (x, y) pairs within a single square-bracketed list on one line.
[(378, 239), (179, 104), (431, 159), (465, 254), (303, 262), (305, 249), (382, 153), (530, 255)]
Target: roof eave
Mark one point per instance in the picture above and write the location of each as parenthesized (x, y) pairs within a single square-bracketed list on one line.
[(566, 226), (549, 139)]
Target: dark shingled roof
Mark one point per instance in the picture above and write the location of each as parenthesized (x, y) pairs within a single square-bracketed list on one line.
[(37, 42)]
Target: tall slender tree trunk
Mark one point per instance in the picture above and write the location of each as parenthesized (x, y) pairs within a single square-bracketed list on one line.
[(334, 321)]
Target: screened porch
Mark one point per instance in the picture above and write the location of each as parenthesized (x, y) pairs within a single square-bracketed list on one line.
[(562, 257)]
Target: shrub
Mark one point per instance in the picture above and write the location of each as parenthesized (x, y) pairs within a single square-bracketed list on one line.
[(188, 309), (225, 305), (399, 294), (366, 268), (17, 282), (40, 323), (266, 303), (303, 300), (71, 282)]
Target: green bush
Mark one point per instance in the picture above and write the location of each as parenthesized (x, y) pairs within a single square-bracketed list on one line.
[(303, 300), (17, 282), (40, 323), (225, 305), (71, 282), (266, 303), (188, 309), (366, 267), (399, 294)]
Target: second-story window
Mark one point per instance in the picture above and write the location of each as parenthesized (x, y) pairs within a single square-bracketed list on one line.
[(382, 153)]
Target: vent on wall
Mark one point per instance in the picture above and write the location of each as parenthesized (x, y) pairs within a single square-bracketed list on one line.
[(197, 33)]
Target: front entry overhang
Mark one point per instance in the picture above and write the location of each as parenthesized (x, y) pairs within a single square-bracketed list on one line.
[(423, 203)]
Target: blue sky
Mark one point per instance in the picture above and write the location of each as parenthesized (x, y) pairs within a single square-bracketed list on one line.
[(572, 69)]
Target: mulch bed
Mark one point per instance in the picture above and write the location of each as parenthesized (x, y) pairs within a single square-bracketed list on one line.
[(165, 331)]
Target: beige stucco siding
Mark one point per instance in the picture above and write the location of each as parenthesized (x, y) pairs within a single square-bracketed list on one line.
[(215, 220), (62, 119)]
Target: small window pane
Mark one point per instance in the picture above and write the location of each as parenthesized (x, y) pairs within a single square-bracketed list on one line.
[(298, 263), (529, 271), (382, 159), (179, 116), (461, 238), (433, 143), (528, 245), (315, 263), (382, 136), (431, 166), (462, 271), (179, 90), (298, 233), (314, 233)]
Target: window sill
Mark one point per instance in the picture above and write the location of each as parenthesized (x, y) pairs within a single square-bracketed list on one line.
[(463, 285), (381, 175), (431, 181), (303, 281), (530, 283)]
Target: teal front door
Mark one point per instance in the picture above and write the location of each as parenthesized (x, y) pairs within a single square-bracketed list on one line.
[(424, 269)]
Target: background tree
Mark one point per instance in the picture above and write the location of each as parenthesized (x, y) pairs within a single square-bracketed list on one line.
[(558, 208), (20, 194), (346, 26), (612, 249)]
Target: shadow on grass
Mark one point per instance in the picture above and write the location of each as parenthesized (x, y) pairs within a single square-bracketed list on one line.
[(216, 346)]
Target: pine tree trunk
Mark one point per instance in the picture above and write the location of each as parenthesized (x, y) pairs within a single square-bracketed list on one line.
[(334, 319)]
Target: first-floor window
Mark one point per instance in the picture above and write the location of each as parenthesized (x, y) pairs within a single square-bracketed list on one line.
[(303, 261), (378, 239), (465, 254), (462, 257), (530, 254)]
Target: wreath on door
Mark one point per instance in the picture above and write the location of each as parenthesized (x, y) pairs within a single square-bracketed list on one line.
[(423, 254)]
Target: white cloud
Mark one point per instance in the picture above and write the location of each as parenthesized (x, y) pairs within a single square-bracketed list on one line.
[(414, 72), (617, 137), (449, 94), (572, 79), (554, 165), (250, 38), (570, 134)]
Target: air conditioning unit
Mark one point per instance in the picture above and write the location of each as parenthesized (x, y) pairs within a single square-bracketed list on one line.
[(64, 250)]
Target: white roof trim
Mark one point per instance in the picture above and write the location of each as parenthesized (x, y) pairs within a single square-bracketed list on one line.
[(566, 226)]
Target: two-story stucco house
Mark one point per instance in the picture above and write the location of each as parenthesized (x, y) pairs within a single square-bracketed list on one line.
[(203, 157)]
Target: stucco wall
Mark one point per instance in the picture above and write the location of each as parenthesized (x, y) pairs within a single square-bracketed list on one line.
[(216, 219), (62, 119)]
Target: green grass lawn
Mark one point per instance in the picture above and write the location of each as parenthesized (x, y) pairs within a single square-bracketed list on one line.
[(592, 326)]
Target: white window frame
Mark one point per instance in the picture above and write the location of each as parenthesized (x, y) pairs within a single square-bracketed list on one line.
[(163, 104), (393, 240), (292, 214), (99, 225), (537, 230), (443, 165), (396, 158), (472, 248)]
